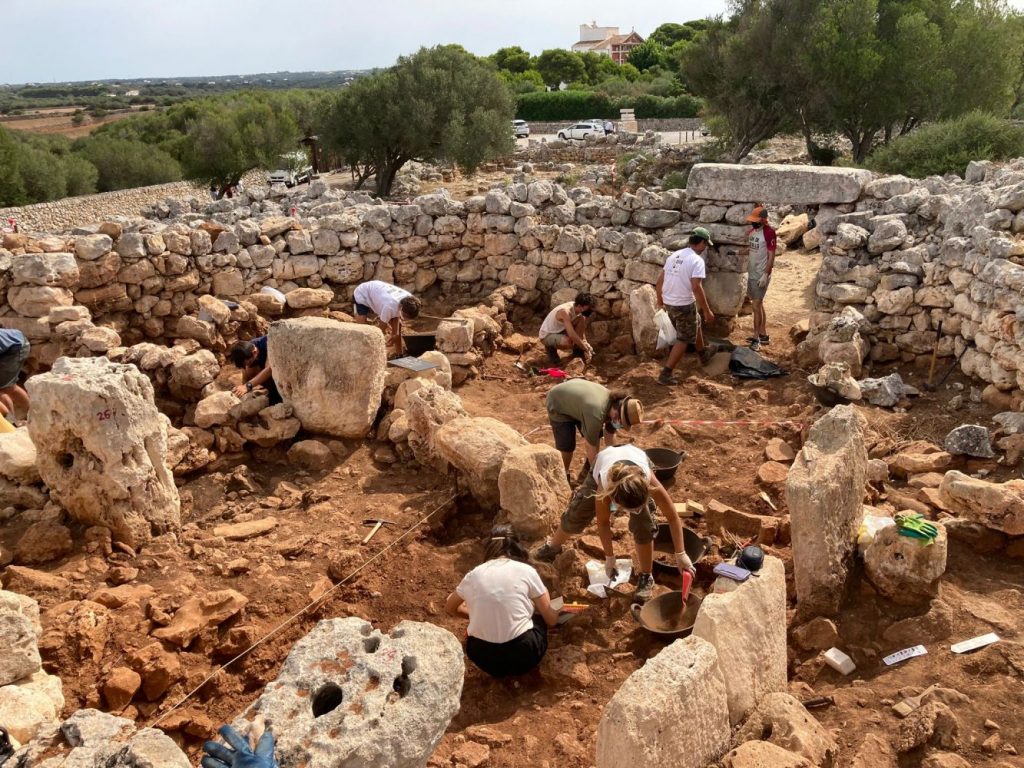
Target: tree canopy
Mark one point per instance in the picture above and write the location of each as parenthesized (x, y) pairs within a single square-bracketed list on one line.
[(440, 104), (557, 65)]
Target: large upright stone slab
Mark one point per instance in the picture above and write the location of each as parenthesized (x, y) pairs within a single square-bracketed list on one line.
[(101, 447), (349, 696), (671, 711), (533, 488), (747, 625), (643, 304), (769, 183), (477, 447), (824, 493), (332, 373), (19, 637)]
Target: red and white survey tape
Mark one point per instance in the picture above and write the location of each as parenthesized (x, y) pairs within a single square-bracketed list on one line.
[(719, 423)]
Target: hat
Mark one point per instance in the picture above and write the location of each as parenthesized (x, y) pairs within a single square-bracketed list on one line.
[(703, 232), (759, 213), (632, 412)]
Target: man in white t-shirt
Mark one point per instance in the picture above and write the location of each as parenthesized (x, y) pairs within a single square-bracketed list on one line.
[(390, 304), (565, 327), (680, 291)]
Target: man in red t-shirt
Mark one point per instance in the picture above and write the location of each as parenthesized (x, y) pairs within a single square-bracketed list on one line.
[(761, 242)]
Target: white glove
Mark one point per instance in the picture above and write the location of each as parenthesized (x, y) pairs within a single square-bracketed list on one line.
[(762, 283), (610, 568), (588, 350), (683, 562)]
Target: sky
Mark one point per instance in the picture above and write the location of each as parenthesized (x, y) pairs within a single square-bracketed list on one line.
[(60, 40)]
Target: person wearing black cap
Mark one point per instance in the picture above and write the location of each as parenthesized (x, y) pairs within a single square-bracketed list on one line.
[(680, 290)]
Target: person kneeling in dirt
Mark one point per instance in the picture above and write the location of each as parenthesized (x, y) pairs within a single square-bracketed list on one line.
[(251, 357), (392, 305), (509, 608), (14, 351), (565, 327), (587, 407), (622, 481)]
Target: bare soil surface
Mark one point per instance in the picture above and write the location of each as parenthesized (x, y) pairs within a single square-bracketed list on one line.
[(548, 718)]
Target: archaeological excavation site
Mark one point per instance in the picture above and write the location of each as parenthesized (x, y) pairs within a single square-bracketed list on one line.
[(235, 498)]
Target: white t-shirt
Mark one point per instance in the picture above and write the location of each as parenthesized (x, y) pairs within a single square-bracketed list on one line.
[(680, 268), (611, 455), (499, 595), (552, 324), (383, 298)]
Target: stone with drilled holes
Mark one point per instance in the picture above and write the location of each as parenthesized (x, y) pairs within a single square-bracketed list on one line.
[(349, 696)]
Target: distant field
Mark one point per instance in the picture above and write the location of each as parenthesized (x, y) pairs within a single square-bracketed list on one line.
[(58, 121)]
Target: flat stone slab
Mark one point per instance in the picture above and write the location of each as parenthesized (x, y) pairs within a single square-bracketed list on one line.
[(768, 183)]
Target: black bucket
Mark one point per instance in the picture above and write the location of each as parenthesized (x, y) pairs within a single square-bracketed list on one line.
[(665, 462), (418, 343), (694, 544)]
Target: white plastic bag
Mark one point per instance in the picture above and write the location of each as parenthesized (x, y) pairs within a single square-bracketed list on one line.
[(869, 527), (599, 580), (666, 331)]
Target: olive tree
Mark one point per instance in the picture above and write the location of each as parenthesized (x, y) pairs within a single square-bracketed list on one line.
[(441, 104)]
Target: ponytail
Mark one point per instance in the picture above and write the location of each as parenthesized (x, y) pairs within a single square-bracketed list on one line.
[(503, 542), (628, 485)]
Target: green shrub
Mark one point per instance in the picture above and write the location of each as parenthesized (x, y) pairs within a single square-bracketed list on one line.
[(125, 163), (675, 180), (948, 146), (579, 104)]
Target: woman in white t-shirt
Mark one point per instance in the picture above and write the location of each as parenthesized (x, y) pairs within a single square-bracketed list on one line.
[(509, 608)]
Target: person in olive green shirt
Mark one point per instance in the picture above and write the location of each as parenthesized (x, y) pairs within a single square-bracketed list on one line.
[(587, 407)]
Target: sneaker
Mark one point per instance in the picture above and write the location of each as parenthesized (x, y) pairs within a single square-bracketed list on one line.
[(753, 339), (644, 588), (764, 340), (553, 356), (546, 552), (667, 379)]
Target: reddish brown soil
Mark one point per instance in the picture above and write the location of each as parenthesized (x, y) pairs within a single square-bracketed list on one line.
[(551, 715)]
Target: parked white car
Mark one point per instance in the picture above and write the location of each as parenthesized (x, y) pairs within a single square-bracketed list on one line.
[(520, 129), (290, 177), (581, 131)]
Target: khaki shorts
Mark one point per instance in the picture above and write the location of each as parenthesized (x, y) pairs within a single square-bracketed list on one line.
[(583, 509), (686, 321)]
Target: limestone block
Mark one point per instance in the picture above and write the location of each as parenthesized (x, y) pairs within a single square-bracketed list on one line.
[(903, 568), (655, 218), (332, 373), (293, 267), (429, 409), (348, 695), (894, 302), (272, 425), (849, 353), (792, 228), (305, 298), (969, 440), (476, 447), (91, 247), (763, 754), (889, 234), (228, 282), (18, 457), (747, 625), (19, 637), (524, 276), (643, 304), (215, 409), (101, 447), (824, 493), (999, 506), (725, 292), (667, 689), (57, 270), (455, 334), (343, 269), (29, 705), (38, 300), (533, 489), (791, 727), (215, 308), (191, 373), (789, 184)]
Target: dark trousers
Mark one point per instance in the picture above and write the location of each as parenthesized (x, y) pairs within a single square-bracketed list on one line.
[(516, 657)]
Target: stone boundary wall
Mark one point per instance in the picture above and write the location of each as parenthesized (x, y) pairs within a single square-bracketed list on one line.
[(143, 277), (914, 254), (69, 212)]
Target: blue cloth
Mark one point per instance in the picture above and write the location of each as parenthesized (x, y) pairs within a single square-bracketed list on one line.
[(12, 339)]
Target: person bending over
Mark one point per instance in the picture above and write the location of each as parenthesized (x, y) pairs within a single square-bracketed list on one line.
[(622, 482), (392, 305), (565, 327), (251, 357), (587, 407), (14, 349), (509, 608)]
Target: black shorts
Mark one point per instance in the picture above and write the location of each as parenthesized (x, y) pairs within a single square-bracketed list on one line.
[(516, 657), (362, 310), (565, 434)]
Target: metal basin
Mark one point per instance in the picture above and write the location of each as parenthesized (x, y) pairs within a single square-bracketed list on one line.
[(665, 462), (418, 343), (665, 616), (695, 546)]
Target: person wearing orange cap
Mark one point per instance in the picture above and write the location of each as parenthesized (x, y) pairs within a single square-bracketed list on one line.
[(762, 244)]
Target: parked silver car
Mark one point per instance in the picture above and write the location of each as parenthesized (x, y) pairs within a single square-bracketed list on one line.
[(581, 131), (520, 129)]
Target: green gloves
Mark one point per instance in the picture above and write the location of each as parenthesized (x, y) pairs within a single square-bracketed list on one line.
[(915, 526)]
